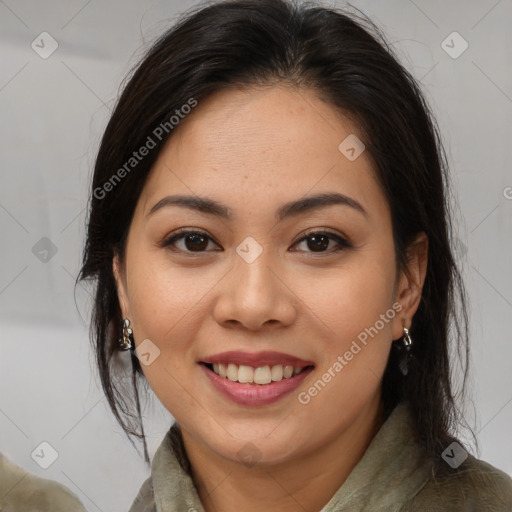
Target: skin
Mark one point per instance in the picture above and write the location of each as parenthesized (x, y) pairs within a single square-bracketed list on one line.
[(254, 150)]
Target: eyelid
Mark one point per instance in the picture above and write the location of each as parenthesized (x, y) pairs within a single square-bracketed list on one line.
[(175, 235), (326, 231), (180, 231)]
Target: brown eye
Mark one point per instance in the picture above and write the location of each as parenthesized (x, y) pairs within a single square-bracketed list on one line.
[(193, 241), (319, 241)]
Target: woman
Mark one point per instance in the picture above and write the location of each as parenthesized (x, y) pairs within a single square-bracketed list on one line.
[(270, 235)]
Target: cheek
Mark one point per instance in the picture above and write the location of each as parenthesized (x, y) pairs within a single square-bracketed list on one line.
[(356, 305), (164, 296), (168, 307), (352, 297)]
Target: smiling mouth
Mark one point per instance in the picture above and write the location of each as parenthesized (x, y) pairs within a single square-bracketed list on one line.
[(261, 375)]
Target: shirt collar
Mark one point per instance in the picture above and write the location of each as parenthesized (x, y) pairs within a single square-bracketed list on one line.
[(391, 471)]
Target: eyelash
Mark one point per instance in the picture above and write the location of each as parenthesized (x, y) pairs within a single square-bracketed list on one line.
[(180, 234)]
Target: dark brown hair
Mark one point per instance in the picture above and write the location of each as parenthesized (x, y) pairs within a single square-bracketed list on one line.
[(346, 60)]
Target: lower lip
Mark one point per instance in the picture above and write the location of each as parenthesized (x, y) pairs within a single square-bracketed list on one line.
[(255, 394)]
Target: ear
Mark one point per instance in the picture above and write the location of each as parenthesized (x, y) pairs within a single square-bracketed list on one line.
[(410, 284), (120, 279)]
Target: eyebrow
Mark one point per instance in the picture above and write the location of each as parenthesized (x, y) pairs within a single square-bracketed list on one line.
[(287, 210)]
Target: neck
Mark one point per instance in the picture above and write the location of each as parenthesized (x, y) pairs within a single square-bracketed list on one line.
[(295, 485)]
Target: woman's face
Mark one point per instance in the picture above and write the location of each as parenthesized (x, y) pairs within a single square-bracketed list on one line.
[(258, 291)]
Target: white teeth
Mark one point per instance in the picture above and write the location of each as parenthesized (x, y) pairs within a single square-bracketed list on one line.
[(277, 373), (261, 375), (245, 374), (287, 372), (232, 372)]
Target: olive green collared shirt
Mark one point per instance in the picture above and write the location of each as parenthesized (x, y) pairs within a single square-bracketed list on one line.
[(21, 491), (392, 476)]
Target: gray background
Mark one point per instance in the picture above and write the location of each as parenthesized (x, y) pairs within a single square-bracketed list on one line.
[(52, 114)]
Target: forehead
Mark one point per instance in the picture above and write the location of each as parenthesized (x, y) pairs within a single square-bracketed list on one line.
[(266, 143), (262, 123)]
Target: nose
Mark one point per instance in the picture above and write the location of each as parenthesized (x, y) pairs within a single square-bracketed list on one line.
[(255, 295)]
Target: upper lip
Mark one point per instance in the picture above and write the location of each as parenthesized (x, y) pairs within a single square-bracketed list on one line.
[(257, 359)]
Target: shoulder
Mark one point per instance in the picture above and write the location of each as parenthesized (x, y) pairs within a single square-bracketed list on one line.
[(20, 490), (145, 499), (473, 486)]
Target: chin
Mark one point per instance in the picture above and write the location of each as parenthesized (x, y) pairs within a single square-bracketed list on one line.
[(251, 446)]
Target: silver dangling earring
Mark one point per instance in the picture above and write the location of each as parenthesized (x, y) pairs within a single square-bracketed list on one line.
[(126, 340), (406, 352)]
